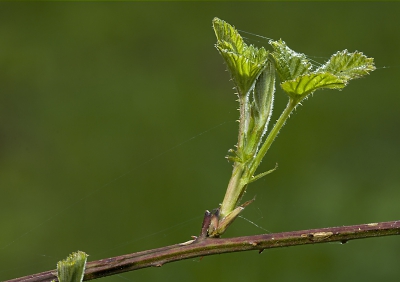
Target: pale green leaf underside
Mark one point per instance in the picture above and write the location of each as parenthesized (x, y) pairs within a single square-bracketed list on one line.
[(348, 66), (289, 63), (228, 35), (243, 71), (72, 268), (245, 62), (306, 84), (264, 91)]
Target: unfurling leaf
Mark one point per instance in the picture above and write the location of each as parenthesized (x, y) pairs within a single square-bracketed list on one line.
[(299, 88), (264, 91), (289, 63), (245, 62), (72, 268), (348, 66), (298, 79), (261, 109)]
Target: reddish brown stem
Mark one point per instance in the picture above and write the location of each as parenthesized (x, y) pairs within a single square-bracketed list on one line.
[(204, 246)]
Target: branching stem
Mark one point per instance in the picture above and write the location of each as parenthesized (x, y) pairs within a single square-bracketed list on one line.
[(237, 183), (205, 246)]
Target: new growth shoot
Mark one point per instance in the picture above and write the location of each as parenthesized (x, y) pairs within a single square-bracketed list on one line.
[(253, 72)]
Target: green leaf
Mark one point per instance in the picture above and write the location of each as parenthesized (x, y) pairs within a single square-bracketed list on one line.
[(289, 63), (245, 62), (228, 35), (72, 268), (299, 88), (297, 79), (348, 66)]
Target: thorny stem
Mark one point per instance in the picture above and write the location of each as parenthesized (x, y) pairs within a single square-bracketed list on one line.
[(237, 183), (205, 246)]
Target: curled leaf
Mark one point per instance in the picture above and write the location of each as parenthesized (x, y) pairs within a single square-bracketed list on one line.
[(298, 80), (263, 93), (289, 63), (299, 88), (348, 66), (245, 62), (72, 268)]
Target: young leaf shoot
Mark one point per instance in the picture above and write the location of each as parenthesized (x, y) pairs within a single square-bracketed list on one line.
[(253, 71)]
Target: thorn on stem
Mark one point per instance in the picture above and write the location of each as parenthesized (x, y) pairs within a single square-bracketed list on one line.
[(205, 225)]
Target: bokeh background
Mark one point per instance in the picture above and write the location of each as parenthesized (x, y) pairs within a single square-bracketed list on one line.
[(115, 119)]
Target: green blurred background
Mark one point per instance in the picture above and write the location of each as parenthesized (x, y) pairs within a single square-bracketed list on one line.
[(115, 119)]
